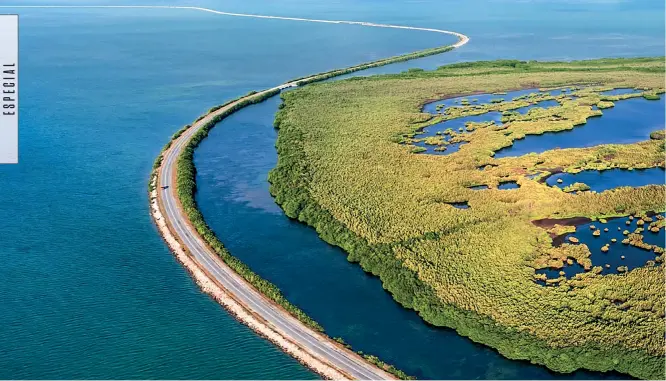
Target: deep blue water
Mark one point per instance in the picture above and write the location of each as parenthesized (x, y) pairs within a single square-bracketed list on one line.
[(630, 121), (88, 288), (603, 180), (633, 256)]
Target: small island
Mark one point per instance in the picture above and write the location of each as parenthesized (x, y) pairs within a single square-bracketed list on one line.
[(458, 228)]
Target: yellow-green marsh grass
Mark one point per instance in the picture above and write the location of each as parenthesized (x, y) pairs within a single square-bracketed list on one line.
[(342, 171)]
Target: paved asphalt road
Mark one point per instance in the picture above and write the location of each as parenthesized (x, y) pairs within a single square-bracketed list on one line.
[(288, 326), (322, 348)]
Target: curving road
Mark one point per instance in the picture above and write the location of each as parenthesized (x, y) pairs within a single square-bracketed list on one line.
[(319, 346), (343, 360), (315, 344)]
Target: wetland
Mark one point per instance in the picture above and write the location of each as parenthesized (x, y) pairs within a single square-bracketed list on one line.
[(381, 195)]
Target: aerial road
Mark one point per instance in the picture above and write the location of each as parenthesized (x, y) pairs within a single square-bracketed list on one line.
[(316, 350), (346, 362), (312, 348)]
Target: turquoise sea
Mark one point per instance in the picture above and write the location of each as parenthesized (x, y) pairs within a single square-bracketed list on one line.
[(87, 287)]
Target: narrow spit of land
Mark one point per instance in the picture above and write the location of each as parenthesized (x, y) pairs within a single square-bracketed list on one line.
[(313, 349), (215, 277)]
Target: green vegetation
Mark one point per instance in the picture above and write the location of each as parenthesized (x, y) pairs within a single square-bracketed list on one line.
[(658, 135), (377, 362), (342, 171), (387, 367), (577, 187), (386, 61), (160, 157), (186, 188), (186, 183)]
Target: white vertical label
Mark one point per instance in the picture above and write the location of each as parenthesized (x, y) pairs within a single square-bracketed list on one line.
[(9, 96)]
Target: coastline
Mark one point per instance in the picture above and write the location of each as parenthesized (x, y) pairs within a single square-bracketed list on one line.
[(295, 199), (208, 283), (166, 176), (208, 286)]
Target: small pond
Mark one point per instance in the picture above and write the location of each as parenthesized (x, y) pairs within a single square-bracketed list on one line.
[(502, 186), (506, 185), (633, 256), (569, 272), (478, 187), (600, 181)]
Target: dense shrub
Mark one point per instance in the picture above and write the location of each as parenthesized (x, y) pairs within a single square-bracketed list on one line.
[(341, 171)]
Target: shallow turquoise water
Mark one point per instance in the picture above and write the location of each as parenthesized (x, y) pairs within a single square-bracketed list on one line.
[(89, 290)]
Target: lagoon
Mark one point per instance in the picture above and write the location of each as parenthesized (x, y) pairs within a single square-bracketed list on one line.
[(480, 99), (458, 125), (630, 121), (600, 181)]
